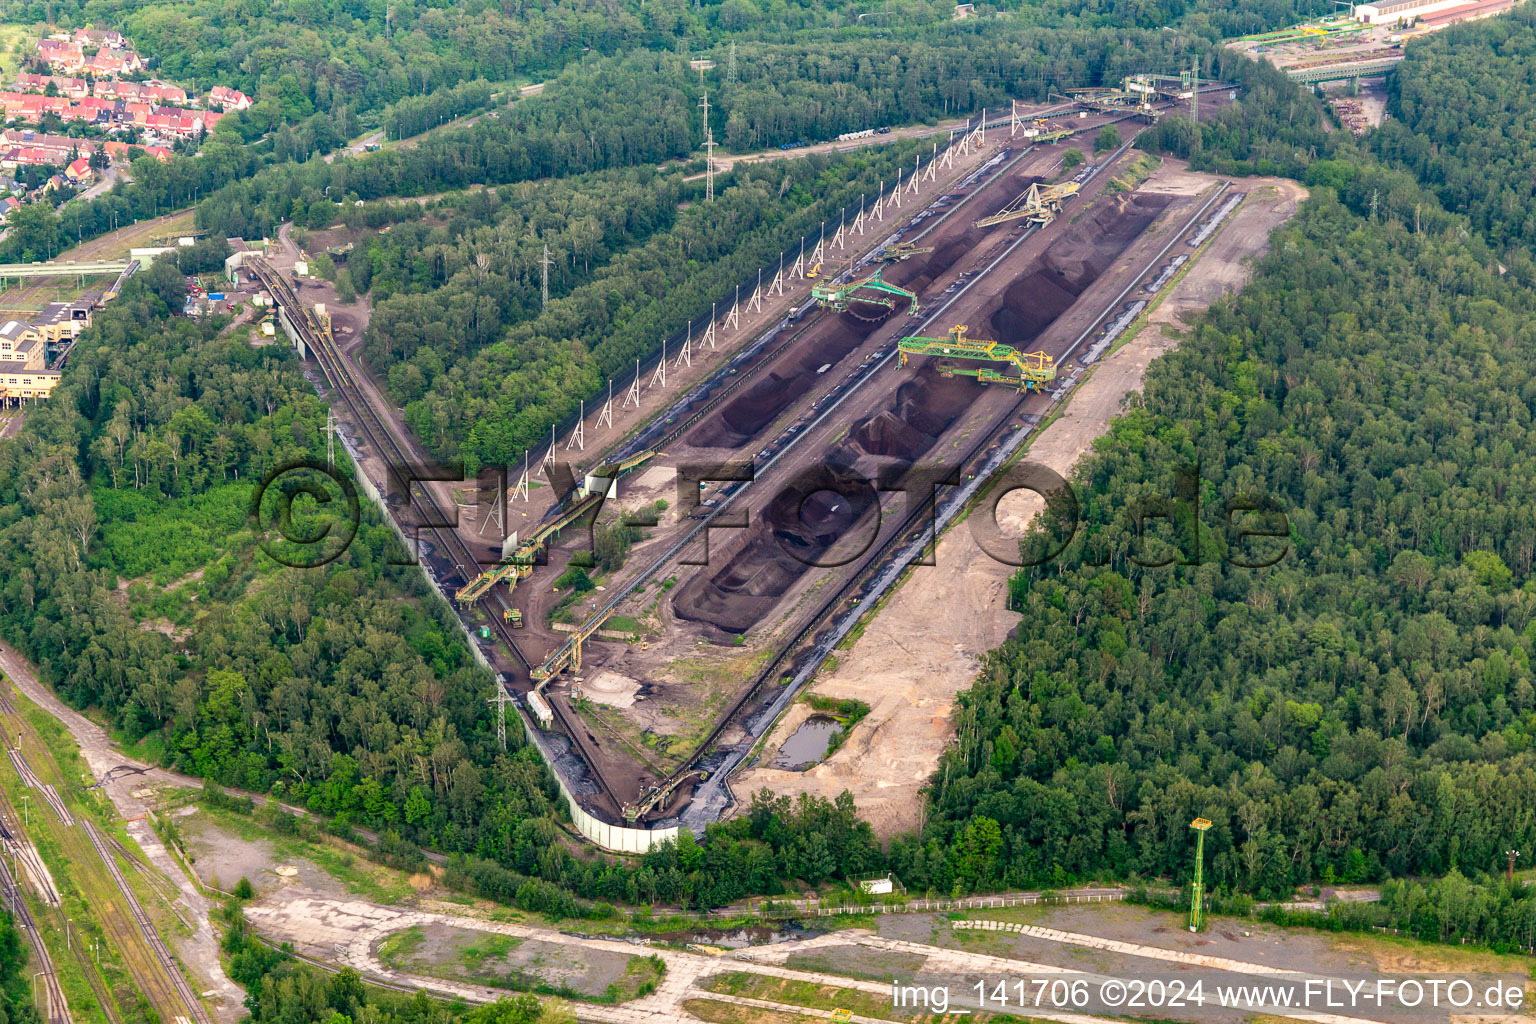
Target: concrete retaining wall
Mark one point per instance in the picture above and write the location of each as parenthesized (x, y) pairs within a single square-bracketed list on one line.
[(617, 838)]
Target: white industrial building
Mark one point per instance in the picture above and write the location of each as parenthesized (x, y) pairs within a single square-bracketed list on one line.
[(1391, 12)]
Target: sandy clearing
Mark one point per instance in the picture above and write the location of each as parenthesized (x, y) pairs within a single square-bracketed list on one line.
[(611, 688)]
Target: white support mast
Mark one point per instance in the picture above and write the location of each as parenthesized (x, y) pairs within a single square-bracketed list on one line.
[(686, 355), (579, 435), (660, 373), (633, 395), (522, 483), (549, 456), (606, 416)]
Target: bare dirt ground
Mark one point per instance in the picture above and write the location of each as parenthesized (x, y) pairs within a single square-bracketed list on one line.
[(400, 945), (1372, 100), (459, 954), (221, 857), (925, 644)]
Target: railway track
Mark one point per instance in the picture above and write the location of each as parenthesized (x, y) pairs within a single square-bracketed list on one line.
[(136, 910), (376, 432), (58, 1006), (383, 441), (913, 515), (452, 547), (777, 449), (50, 794), (27, 855), (778, 446), (737, 370)]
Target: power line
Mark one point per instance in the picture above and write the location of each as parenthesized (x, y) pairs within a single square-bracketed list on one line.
[(544, 283)]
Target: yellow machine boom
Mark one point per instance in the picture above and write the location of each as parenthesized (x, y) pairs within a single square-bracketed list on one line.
[(1035, 368), (520, 565), (1040, 205), (568, 654)]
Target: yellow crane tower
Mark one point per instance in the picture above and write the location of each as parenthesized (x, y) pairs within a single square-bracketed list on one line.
[(1197, 891)]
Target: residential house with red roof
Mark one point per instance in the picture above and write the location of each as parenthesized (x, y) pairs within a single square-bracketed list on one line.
[(229, 99), (74, 88)]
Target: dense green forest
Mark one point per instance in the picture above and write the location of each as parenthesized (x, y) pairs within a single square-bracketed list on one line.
[(131, 572), (342, 58), (1465, 124), (641, 107), (493, 392), (1363, 708), (16, 1006), (1449, 909), (133, 577)]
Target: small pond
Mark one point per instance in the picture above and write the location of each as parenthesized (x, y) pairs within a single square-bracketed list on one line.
[(808, 745)]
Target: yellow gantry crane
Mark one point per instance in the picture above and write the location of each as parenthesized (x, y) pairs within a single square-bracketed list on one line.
[(1035, 368), (520, 564), (568, 654), (1039, 205)]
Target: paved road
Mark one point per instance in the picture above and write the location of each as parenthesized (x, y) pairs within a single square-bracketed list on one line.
[(358, 147), (109, 177)]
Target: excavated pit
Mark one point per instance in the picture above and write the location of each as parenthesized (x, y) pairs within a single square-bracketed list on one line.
[(797, 530)]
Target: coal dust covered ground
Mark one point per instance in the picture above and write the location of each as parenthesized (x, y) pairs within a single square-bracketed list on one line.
[(904, 423), (715, 617)]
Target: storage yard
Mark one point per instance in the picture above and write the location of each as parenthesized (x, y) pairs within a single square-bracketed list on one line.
[(649, 688), (925, 645)]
